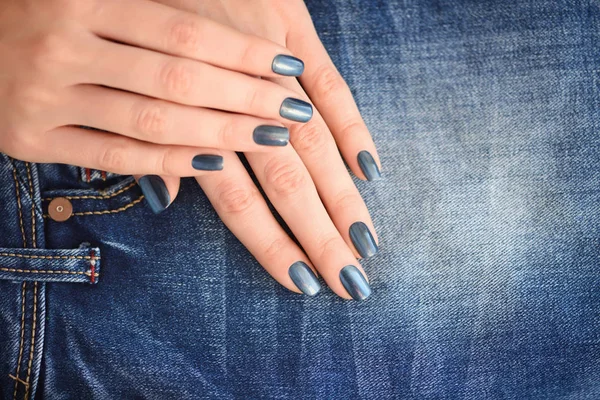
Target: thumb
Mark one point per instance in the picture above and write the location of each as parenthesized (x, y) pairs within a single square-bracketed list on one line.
[(159, 191)]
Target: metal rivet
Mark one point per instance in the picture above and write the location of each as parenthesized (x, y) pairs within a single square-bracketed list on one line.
[(60, 209)]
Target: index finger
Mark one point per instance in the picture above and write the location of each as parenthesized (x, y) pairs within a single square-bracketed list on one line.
[(172, 31)]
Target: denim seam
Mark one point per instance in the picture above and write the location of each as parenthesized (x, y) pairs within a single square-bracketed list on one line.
[(18, 191), (45, 257), (32, 346), (49, 271), (101, 197), (33, 216), (17, 379), (118, 210)]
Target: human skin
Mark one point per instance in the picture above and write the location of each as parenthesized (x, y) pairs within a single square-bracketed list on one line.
[(172, 94), (307, 183)]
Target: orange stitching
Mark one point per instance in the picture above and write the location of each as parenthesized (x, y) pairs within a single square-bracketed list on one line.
[(118, 210), (104, 196), (23, 286), (32, 347), (11, 376), (45, 257), (45, 271), (19, 204), (32, 205)]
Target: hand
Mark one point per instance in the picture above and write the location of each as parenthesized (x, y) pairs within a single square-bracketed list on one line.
[(152, 74), (308, 183)]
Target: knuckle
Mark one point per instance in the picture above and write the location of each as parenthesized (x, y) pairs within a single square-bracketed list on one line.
[(48, 49), (285, 178), (350, 129), (235, 198), (184, 34), (330, 246), (308, 137), (166, 162), (114, 159), (176, 78), (347, 201), (328, 81), (151, 122), (252, 100), (274, 248), (226, 134)]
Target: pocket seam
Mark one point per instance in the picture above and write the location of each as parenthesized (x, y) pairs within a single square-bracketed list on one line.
[(102, 197)]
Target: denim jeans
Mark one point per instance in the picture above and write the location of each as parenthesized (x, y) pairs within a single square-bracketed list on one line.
[(487, 283)]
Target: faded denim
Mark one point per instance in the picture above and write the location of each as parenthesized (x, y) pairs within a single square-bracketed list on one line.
[(486, 285)]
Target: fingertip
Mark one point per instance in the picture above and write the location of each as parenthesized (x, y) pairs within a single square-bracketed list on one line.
[(159, 192)]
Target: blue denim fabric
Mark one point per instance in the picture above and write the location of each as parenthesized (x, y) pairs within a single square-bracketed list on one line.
[(486, 284)]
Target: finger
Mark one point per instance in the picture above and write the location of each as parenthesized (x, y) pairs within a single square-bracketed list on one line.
[(159, 191), (331, 96), (181, 33), (163, 122), (315, 145), (290, 189), (193, 83), (241, 207), (122, 155)]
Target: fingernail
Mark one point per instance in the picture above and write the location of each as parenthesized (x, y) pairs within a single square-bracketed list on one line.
[(362, 239), (304, 278), (355, 283), (268, 135), (156, 193), (368, 166), (287, 65), (296, 110), (207, 162)]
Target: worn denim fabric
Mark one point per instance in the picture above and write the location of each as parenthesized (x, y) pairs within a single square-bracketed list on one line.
[(486, 285)]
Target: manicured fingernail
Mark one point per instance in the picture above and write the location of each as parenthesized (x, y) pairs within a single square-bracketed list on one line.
[(287, 65), (304, 278), (368, 166), (156, 193), (296, 110), (268, 135), (207, 162), (355, 283), (363, 239)]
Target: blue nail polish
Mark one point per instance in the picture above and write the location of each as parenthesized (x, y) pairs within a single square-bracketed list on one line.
[(287, 65), (363, 239), (156, 193), (368, 166), (304, 278), (268, 135), (207, 162), (355, 283), (296, 110)]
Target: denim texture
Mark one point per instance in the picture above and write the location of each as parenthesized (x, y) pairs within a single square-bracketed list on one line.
[(486, 284)]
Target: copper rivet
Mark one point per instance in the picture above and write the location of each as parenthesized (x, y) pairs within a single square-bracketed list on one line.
[(60, 209)]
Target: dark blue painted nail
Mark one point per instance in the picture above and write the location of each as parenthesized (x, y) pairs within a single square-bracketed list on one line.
[(287, 65), (268, 135), (207, 162), (355, 283), (155, 191), (368, 166), (363, 239), (296, 110), (304, 278)]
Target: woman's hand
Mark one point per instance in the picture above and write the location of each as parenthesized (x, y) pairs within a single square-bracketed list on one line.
[(156, 76), (307, 183)]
